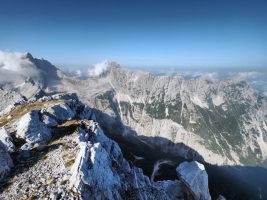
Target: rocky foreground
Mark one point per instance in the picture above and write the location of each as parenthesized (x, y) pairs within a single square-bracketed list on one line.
[(53, 148)]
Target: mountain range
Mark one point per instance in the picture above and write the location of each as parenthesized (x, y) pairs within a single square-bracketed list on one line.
[(177, 123)]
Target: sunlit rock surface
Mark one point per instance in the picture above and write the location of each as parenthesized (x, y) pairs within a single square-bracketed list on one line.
[(32, 129), (101, 172), (224, 121), (194, 176)]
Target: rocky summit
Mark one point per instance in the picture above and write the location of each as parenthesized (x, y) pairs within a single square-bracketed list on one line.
[(60, 152)]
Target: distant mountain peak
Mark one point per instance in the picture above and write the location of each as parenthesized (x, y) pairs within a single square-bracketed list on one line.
[(29, 55), (103, 68)]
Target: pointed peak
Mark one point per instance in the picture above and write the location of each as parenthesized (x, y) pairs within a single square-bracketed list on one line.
[(29, 55)]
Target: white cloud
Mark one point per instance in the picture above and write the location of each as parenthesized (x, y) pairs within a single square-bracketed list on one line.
[(196, 74), (98, 68), (79, 72), (14, 66), (248, 75)]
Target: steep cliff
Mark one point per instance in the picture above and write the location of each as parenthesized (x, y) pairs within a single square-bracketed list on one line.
[(224, 121)]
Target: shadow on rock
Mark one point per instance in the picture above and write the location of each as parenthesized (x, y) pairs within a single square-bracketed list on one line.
[(233, 182)]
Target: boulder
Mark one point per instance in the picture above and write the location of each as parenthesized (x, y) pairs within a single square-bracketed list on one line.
[(32, 129), (101, 172), (195, 178), (5, 162), (93, 169), (6, 139), (60, 112)]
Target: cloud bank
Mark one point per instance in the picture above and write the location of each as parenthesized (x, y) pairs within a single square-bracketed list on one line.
[(15, 66), (98, 68)]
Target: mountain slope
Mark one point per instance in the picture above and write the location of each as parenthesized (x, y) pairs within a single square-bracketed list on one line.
[(61, 153), (158, 122), (224, 121), (22, 77)]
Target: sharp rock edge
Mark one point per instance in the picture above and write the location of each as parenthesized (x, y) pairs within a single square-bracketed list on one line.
[(95, 167)]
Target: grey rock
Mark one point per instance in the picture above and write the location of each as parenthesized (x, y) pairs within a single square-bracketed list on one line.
[(7, 140), (60, 112), (101, 172), (32, 129), (193, 114), (6, 162), (195, 177)]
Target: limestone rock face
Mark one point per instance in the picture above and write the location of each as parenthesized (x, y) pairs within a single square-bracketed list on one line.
[(224, 121), (32, 129), (194, 176), (60, 112), (5, 161), (6, 139), (98, 175), (101, 172), (82, 162)]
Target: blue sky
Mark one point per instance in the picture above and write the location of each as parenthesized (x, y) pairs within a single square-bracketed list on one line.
[(188, 33)]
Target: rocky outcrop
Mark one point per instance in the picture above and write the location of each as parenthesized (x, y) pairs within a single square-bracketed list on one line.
[(101, 172), (32, 130), (195, 178), (61, 112), (5, 161), (35, 126), (6, 139), (223, 120), (81, 162)]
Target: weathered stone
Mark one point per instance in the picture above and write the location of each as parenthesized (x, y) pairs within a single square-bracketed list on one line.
[(194, 176), (5, 161), (60, 112), (32, 129), (6, 139)]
